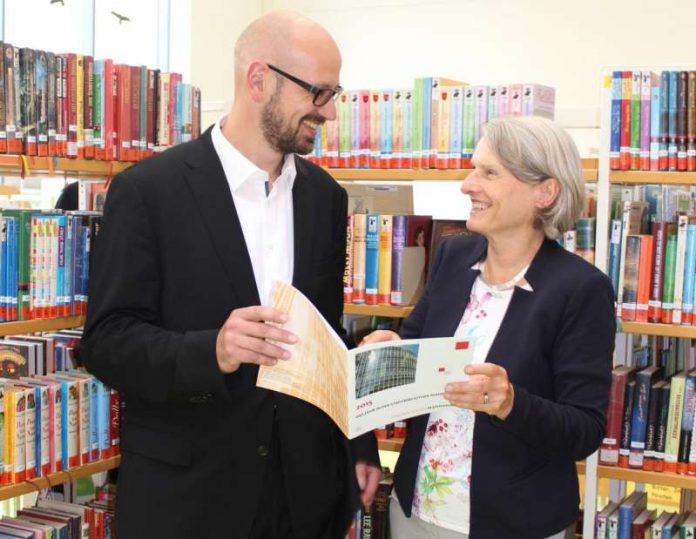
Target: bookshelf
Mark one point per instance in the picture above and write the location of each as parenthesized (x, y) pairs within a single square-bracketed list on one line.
[(38, 483), (396, 174), (45, 324), (645, 177), (662, 330), (605, 179), (390, 311), (605, 472), (25, 164)]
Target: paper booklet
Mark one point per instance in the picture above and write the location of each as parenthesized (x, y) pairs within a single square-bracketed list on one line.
[(369, 386)]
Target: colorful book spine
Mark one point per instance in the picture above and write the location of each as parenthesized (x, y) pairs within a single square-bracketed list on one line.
[(659, 230), (615, 138), (689, 274), (384, 264), (646, 79), (348, 270), (386, 112), (398, 243), (372, 259), (655, 128), (359, 254)]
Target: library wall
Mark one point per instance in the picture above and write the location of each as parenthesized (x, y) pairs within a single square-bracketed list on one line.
[(215, 26), (387, 43)]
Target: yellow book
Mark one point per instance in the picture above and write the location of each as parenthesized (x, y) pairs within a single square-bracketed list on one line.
[(676, 403), (384, 258)]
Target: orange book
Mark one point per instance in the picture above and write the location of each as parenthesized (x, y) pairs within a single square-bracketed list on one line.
[(384, 260)]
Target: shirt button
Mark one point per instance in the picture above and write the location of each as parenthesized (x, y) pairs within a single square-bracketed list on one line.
[(262, 451)]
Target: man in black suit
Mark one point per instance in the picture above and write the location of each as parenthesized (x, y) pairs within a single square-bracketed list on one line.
[(190, 244)]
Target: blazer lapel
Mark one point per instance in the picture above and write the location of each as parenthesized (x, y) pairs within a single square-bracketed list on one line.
[(303, 207), (211, 191)]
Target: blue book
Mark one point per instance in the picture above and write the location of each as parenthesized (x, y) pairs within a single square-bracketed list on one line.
[(615, 139), (689, 274), (628, 510), (11, 291), (386, 116), (103, 424), (371, 258), (60, 298), (615, 254), (639, 417), (4, 270)]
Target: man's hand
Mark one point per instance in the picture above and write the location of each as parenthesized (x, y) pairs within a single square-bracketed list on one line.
[(380, 335), (368, 476), (246, 337)]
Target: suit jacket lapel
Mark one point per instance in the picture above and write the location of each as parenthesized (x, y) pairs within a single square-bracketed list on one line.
[(304, 206), (211, 191)]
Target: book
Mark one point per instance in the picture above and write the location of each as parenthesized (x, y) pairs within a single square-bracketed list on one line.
[(366, 387)]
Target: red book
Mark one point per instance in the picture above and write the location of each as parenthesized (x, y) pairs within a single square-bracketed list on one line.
[(659, 230), (609, 450), (88, 112), (625, 151)]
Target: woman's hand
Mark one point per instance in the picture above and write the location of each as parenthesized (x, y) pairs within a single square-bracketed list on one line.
[(381, 335), (488, 390)]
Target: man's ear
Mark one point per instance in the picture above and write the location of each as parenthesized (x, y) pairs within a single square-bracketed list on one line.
[(257, 82), (547, 192)]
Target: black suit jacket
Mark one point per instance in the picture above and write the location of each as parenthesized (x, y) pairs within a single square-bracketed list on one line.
[(556, 344), (169, 266)]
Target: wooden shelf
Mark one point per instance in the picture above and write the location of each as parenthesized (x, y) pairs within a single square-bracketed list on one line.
[(641, 476), (607, 472), (427, 174), (377, 310), (662, 330), (33, 485), (15, 164), (47, 324), (638, 176), (390, 444)]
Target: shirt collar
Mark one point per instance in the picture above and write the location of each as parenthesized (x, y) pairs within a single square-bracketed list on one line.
[(239, 169)]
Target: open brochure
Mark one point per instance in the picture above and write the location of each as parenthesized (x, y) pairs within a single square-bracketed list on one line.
[(369, 386)]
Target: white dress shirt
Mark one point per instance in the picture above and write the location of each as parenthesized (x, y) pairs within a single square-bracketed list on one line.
[(266, 219)]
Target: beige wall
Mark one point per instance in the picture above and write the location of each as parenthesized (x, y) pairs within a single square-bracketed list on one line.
[(215, 27), (387, 43)]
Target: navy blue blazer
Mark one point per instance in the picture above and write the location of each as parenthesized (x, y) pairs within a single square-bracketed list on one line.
[(556, 343)]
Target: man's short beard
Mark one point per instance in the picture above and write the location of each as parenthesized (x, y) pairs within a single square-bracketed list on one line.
[(282, 138)]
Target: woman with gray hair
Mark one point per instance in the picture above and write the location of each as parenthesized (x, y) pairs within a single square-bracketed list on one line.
[(500, 463)]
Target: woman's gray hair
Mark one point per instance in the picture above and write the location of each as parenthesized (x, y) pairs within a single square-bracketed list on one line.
[(534, 149)]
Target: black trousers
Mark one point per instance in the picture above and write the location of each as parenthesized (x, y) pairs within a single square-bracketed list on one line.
[(272, 520)]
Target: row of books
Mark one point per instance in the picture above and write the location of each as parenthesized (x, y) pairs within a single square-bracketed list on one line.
[(581, 240), (55, 420), (71, 105), (653, 120), (652, 253), (387, 256), (650, 420), (435, 124), (57, 519), (631, 517), (373, 522), (44, 262)]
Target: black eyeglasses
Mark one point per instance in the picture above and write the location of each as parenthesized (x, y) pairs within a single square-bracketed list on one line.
[(321, 95)]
